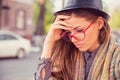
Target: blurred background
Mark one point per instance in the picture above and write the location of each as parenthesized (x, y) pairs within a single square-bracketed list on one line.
[(23, 27)]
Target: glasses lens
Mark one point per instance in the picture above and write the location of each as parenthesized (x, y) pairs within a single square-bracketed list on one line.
[(82, 36), (78, 36)]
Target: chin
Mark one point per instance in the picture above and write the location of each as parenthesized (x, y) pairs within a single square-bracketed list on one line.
[(82, 49)]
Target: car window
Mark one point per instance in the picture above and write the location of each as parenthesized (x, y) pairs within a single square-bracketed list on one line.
[(7, 37), (2, 37)]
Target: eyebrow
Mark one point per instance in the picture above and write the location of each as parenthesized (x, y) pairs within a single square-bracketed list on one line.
[(77, 27)]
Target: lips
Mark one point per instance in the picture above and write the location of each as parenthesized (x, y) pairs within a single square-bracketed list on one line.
[(79, 45)]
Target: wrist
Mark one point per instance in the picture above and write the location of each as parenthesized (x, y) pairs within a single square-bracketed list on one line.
[(47, 50)]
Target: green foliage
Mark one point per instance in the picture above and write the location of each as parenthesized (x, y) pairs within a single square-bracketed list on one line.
[(115, 19), (36, 12), (48, 14)]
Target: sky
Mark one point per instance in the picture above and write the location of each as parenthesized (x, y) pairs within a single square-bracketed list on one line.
[(112, 3)]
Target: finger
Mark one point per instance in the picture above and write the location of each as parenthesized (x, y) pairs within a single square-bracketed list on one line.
[(62, 27), (62, 17), (63, 23)]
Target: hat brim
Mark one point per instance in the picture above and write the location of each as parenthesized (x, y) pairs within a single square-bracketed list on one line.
[(96, 11)]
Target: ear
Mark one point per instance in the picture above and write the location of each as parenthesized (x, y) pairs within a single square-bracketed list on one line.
[(100, 22)]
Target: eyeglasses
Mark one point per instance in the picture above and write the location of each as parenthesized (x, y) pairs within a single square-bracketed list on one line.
[(78, 34)]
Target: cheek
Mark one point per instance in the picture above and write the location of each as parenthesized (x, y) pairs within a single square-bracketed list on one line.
[(92, 36)]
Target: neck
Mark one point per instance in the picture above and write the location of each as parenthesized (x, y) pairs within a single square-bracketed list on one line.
[(94, 48)]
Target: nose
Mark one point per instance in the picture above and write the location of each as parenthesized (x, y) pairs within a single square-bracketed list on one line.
[(77, 36), (73, 39)]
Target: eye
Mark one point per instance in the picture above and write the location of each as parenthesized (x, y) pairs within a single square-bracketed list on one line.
[(66, 32), (79, 30)]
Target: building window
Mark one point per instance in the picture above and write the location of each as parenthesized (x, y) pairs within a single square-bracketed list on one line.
[(20, 19)]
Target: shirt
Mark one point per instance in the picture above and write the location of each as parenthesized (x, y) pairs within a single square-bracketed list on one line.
[(89, 57)]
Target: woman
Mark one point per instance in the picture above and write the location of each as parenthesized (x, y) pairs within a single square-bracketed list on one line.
[(79, 46)]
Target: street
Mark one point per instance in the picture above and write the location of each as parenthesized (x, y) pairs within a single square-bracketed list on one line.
[(15, 69)]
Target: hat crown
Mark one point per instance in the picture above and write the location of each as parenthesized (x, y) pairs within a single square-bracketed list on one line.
[(95, 4)]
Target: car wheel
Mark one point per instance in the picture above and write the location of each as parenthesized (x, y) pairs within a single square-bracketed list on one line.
[(20, 54)]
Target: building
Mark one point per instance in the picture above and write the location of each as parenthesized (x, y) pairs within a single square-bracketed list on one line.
[(17, 16)]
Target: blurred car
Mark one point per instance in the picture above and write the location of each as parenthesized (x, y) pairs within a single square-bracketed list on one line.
[(13, 45)]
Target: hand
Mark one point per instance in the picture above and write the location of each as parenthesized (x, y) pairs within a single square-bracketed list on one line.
[(54, 34), (56, 28)]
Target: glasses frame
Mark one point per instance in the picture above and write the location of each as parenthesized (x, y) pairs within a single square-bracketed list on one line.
[(67, 36), (83, 31)]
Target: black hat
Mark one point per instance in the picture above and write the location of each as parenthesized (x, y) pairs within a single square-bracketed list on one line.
[(94, 6)]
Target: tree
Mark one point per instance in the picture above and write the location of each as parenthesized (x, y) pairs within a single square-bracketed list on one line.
[(0, 12), (48, 17), (39, 29), (63, 3)]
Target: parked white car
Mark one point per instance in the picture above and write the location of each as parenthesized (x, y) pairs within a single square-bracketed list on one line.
[(13, 45)]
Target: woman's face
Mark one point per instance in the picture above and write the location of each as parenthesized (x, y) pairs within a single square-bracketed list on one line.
[(84, 33)]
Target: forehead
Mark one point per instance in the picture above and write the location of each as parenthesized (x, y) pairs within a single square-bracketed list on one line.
[(75, 21)]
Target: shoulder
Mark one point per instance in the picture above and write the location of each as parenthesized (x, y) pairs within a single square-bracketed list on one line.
[(115, 61), (115, 64), (116, 54)]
